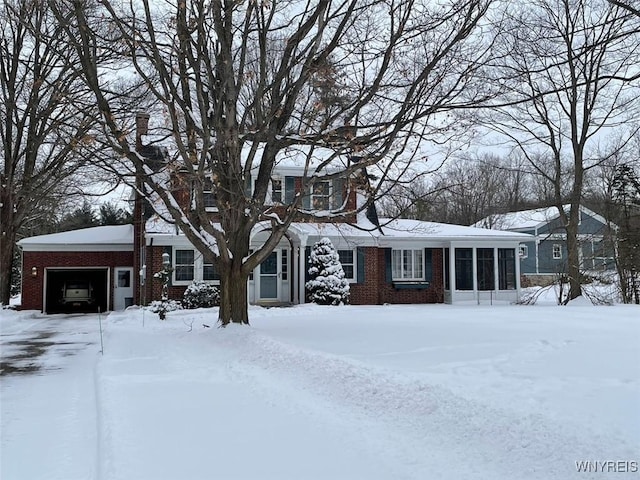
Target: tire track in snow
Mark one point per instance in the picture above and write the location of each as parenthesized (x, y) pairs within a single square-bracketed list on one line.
[(451, 437)]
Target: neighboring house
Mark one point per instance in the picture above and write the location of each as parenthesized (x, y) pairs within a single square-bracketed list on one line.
[(386, 261), (545, 254)]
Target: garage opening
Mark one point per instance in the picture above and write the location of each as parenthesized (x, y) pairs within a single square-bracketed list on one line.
[(76, 290)]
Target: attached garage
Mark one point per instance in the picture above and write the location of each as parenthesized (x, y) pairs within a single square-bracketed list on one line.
[(78, 271), (76, 290)]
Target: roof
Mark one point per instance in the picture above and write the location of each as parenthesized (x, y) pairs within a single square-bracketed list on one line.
[(366, 233), (525, 219), (106, 238), (530, 219)]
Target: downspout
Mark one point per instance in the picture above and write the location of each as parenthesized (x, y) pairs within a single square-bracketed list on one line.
[(537, 257)]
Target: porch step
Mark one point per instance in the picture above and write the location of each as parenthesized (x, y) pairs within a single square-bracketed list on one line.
[(272, 304)]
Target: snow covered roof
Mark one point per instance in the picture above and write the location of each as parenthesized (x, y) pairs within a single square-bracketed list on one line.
[(297, 157), (525, 219), (107, 238), (365, 233), (416, 228)]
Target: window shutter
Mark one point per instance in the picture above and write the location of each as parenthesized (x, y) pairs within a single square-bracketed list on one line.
[(428, 264), (306, 199), (360, 260), (247, 187), (307, 254), (387, 265), (338, 193), (289, 189), (169, 250)]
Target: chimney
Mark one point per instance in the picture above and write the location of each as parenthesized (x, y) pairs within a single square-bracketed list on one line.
[(142, 127)]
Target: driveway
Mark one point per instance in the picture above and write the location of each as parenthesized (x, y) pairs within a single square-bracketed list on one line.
[(47, 396), (38, 343)]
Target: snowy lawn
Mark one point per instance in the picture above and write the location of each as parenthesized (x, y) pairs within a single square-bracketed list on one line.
[(378, 392)]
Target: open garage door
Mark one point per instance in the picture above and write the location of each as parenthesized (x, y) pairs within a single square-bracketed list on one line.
[(80, 290)]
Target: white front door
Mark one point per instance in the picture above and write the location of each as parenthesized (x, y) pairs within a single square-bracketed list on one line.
[(270, 277), (273, 284), (123, 291)]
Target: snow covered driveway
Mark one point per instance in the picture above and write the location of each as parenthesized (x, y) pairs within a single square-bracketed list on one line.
[(413, 392)]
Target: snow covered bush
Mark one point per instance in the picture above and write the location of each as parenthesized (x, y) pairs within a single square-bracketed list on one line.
[(201, 295), (162, 307), (327, 285)]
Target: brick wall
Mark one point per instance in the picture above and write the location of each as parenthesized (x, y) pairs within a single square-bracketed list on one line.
[(153, 286), (376, 291), (367, 293), (32, 287), (373, 291)]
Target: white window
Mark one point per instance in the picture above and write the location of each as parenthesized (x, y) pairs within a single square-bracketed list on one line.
[(209, 273), (285, 264), (183, 266), (276, 190), (523, 251), (348, 261), (321, 195), (407, 265), (557, 251), (208, 195)]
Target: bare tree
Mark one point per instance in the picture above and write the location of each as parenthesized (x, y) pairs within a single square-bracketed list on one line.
[(567, 77), (241, 84), (45, 119), (627, 5), (466, 190)]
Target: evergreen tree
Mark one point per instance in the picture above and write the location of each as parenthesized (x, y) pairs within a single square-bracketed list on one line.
[(110, 214), (327, 285), (81, 217), (626, 188)]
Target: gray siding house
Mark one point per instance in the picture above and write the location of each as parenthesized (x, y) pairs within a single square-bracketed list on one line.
[(546, 253)]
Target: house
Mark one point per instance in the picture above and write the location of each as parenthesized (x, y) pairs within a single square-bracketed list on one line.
[(385, 260), (544, 254)]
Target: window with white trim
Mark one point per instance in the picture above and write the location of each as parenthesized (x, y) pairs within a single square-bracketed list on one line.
[(348, 261), (208, 195), (209, 273), (321, 194), (407, 265), (183, 266), (285, 264), (523, 251), (276, 190), (557, 251)]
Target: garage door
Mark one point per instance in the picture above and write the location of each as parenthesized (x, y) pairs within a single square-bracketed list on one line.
[(76, 290)]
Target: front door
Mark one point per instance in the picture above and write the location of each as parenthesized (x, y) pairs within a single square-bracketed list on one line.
[(123, 291), (269, 277)]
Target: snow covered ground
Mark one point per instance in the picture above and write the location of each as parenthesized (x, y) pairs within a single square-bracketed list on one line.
[(308, 392)]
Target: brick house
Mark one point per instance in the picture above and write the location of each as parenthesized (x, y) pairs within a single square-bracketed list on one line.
[(385, 260)]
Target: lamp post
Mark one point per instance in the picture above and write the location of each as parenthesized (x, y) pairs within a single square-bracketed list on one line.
[(166, 270)]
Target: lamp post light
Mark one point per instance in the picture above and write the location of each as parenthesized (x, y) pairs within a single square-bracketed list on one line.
[(166, 270)]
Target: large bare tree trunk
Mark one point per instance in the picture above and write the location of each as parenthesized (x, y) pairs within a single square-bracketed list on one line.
[(233, 296), (7, 243), (573, 259)]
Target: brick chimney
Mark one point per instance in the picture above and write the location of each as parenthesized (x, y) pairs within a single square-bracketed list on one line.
[(142, 128)]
